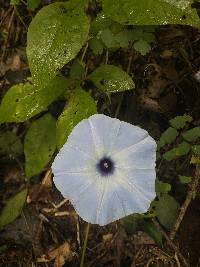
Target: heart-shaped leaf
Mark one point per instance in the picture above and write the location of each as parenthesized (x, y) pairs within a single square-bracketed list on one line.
[(23, 101), (55, 36), (39, 144)]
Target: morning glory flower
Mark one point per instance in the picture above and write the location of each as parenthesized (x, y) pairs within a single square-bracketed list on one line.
[(107, 169)]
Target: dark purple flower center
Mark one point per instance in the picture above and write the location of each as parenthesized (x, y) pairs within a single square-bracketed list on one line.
[(105, 166)]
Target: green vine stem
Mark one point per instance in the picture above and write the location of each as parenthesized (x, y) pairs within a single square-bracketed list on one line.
[(85, 245)]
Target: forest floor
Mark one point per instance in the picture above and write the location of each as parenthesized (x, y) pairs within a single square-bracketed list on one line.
[(48, 235)]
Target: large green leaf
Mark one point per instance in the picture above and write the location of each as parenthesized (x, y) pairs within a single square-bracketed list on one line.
[(81, 106), (39, 144), (167, 209), (13, 208), (151, 12), (23, 101), (111, 79), (55, 36)]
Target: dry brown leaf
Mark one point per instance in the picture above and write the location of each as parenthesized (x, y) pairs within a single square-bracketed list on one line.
[(107, 237), (60, 255)]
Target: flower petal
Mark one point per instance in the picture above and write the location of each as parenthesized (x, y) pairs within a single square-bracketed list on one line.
[(143, 180), (104, 130), (81, 139), (71, 185), (127, 136), (141, 155), (71, 160)]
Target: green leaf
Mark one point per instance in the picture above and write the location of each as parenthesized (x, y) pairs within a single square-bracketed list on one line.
[(33, 4), (55, 36), (96, 45), (181, 150), (80, 106), (150, 12), (10, 144), (167, 137), (131, 223), (39, 144), (167, 209), (185, 179), (23, 101), (123, 37), (192, 134), (162, 188), (108, 38), (149, 228), (111, 79), (77, 70), (13, 208), (179, 122), (100, 23), (142, 46)]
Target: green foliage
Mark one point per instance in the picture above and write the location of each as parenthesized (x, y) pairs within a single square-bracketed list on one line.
[(55, 36), (80, 106), (185, 179), (149, 228), (181, 150), (150, 12), (23, 101), (112, 35), (135, 222), (168, 137), (167, 209), (192, 134), (10, 144), (13, 208), (162, 188), (110, 79), (142, 46), (39, 144), (131, 223), (179, 122), (77, 70), (96, 45), (33, 4)]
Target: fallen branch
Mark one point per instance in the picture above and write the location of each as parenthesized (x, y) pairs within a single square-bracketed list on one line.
[(190, 195), (170, 242)]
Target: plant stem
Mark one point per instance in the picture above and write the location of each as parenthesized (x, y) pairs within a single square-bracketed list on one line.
[(85, 245)]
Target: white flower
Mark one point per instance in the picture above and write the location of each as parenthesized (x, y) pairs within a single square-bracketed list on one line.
[(107, 169)]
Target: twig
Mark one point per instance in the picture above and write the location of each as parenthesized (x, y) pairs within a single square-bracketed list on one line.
[(84, 52), (106, 59), (190, 195), (170, 242)]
